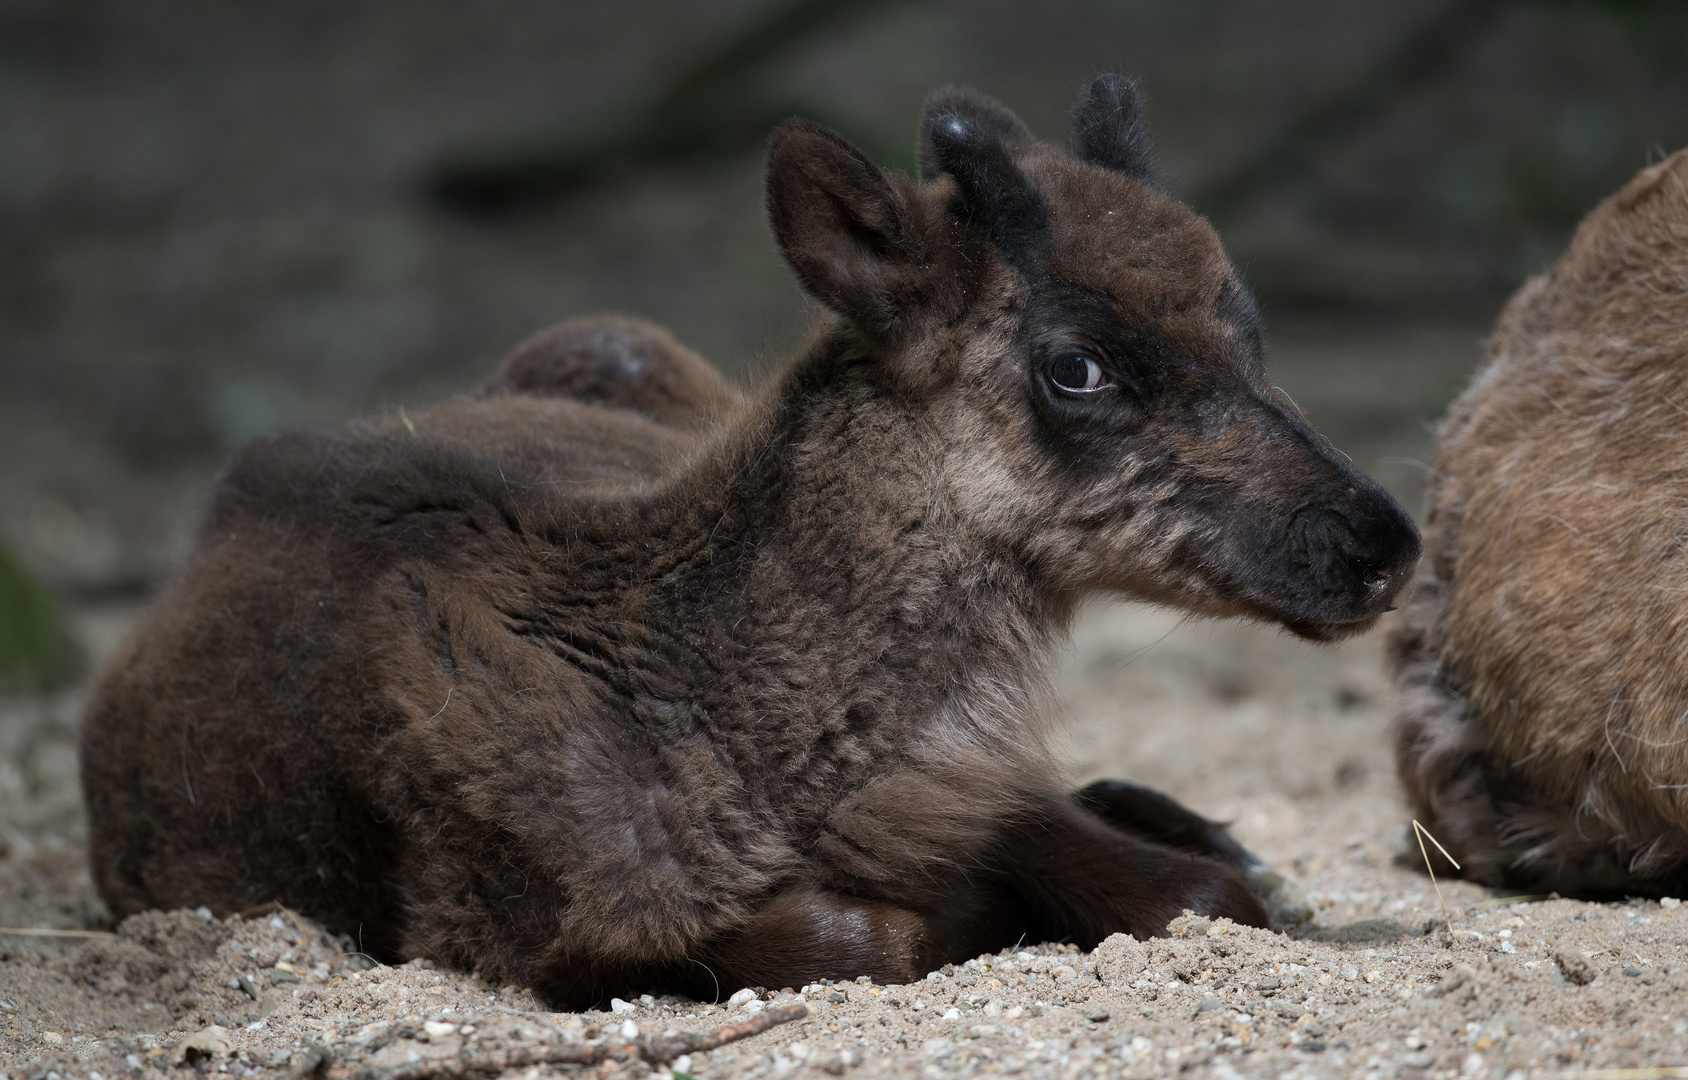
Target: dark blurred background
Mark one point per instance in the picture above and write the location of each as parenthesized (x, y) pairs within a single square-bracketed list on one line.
[(219, 218)]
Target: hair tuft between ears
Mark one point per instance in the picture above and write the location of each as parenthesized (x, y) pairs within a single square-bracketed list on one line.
[(992, 190), (838, 221), (985, 114)]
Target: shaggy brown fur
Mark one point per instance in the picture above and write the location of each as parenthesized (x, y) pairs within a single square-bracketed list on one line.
[(743, 692), (1540, 728)]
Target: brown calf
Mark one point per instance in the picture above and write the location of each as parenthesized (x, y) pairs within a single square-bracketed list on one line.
[(1542, 724), (607, 680)]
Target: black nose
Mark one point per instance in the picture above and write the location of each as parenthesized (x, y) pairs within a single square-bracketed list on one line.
[(1385, 560), (1358, 556)]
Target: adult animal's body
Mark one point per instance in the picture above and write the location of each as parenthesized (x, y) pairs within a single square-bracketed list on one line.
[(1540, 730)]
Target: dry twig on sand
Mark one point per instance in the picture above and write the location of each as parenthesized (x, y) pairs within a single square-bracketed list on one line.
[(656, 1050), (1421, 833)]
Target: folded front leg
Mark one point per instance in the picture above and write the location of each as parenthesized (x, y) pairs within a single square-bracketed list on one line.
[(1078, 879), (1154, 816)]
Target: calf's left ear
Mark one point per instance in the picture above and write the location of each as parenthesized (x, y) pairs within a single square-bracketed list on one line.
[(839, 223)]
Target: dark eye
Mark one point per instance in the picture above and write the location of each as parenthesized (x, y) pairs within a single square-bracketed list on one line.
[(1078, 374)]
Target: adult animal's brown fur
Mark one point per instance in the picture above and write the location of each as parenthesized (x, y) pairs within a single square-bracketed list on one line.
[(608, 679), (1540, 730)]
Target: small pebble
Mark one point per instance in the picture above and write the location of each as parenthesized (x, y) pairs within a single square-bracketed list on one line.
[(629, 1030), (619, 1006), (438, 1029), (952, 1014), (1209, 1003), (741, 997), (1632, 972)]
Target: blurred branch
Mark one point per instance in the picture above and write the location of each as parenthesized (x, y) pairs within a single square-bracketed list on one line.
[(709, 109), (1428, 53)]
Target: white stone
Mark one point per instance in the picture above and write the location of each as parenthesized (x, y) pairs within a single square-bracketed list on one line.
[(439, 1029), (629, 1030), (619, 1006), (952, 1014), (741, 997)]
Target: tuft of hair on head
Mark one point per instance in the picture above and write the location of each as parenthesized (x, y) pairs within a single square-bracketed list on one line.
[(987, 115), (1109, 129), (972, 139), (995, 195)]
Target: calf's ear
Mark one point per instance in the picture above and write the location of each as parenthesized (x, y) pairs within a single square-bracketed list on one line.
[(839, 223)]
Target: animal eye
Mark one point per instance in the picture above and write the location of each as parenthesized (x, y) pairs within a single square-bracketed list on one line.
[(1077, 374)]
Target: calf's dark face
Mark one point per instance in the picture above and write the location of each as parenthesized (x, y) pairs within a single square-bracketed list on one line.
[(1092, 365)]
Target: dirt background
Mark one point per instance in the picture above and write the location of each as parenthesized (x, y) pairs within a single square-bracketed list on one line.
[(215, 221)]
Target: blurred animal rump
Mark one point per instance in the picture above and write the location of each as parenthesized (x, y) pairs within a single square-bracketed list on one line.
[(1542, 726)]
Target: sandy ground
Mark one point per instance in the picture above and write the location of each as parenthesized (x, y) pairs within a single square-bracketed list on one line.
[(1286, 740)]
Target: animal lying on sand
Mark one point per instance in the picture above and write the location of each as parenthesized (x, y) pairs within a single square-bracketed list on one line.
[(611, 679)]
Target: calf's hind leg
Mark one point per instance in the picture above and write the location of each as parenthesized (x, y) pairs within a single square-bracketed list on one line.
[(803, 935), (1152, 815)]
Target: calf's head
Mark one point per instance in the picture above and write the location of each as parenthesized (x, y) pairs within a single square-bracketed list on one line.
[(1090, 362)]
